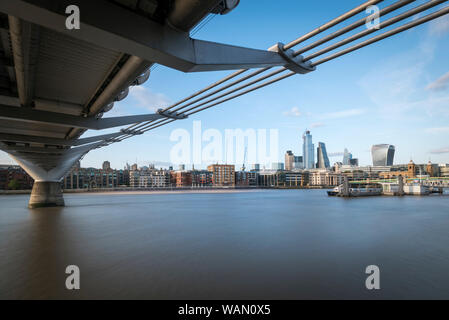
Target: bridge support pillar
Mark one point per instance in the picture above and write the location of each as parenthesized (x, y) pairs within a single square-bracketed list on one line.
[(345, 191), (48, 170), (400, 185), (46, 194)]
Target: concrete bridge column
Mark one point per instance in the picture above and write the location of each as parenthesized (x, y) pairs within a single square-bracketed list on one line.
[(48, 171), (400, 185), (46, 194), (345, 191)]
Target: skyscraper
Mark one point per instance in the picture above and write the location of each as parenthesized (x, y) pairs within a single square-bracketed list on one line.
[(298, 163), (308, 151), (322, 158), (347, 156), (289, 160), (383, 154)]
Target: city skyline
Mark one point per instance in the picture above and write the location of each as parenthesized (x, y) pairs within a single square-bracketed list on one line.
[(322, 159), (393, 92)]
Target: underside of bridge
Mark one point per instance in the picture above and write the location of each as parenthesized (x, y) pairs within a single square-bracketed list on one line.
[(56, 83)]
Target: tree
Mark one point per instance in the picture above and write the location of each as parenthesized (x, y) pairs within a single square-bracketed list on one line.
[(13, 184)]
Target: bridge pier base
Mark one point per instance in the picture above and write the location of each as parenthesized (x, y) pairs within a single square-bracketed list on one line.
[(46, 194)]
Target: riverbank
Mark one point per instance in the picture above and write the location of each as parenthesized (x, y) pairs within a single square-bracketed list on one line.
[(166, 190)]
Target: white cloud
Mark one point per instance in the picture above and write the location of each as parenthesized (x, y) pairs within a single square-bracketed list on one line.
[(440, 151), (343, 114), (316, 125), (439, 84), (395, 85), (147, 99), (437, 130), (439, 26), (293, 112)]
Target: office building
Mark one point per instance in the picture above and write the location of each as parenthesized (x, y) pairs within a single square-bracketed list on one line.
[(383, 154), (308, 151), (298, 163), (289, 160), (347, 156), (293, 162), (322, 158)]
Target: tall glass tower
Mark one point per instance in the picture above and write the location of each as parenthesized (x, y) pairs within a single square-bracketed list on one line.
[(308, 151), (322, 158), (347, 156), (383, 154)]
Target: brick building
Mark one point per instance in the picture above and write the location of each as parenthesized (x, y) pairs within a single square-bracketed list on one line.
[(20, 178), (223, 175)]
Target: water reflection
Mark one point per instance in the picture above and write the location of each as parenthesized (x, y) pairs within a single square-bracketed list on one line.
[(257, 245)]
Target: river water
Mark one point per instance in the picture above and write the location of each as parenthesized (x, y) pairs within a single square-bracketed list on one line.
[(273, 244)]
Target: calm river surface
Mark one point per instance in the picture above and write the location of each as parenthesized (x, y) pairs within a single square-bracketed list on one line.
[(274, 244)]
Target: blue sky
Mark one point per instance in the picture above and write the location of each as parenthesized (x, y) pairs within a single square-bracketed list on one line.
[(395, 91)]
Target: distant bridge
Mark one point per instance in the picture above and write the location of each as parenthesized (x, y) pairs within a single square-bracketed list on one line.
[(56, 83)]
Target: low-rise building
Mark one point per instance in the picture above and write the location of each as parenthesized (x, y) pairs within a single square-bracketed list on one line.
[(325, 178), (183, 179), (242, 178), (271, 178), (201, 178), (154, 179), (296, 179), (444, 170), (92, 178), (253, 178), (223, 175), (14, 177)]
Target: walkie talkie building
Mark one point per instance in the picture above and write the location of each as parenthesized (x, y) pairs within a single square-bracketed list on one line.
[(383, 154)]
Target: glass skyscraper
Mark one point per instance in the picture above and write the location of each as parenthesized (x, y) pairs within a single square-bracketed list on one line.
[(347, 156), (308, 151), (383, 154), (322, 158)]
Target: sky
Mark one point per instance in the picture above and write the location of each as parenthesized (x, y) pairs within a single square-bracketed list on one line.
[(395, 91)]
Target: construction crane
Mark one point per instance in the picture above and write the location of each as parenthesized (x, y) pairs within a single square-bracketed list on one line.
[(244, 158)]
